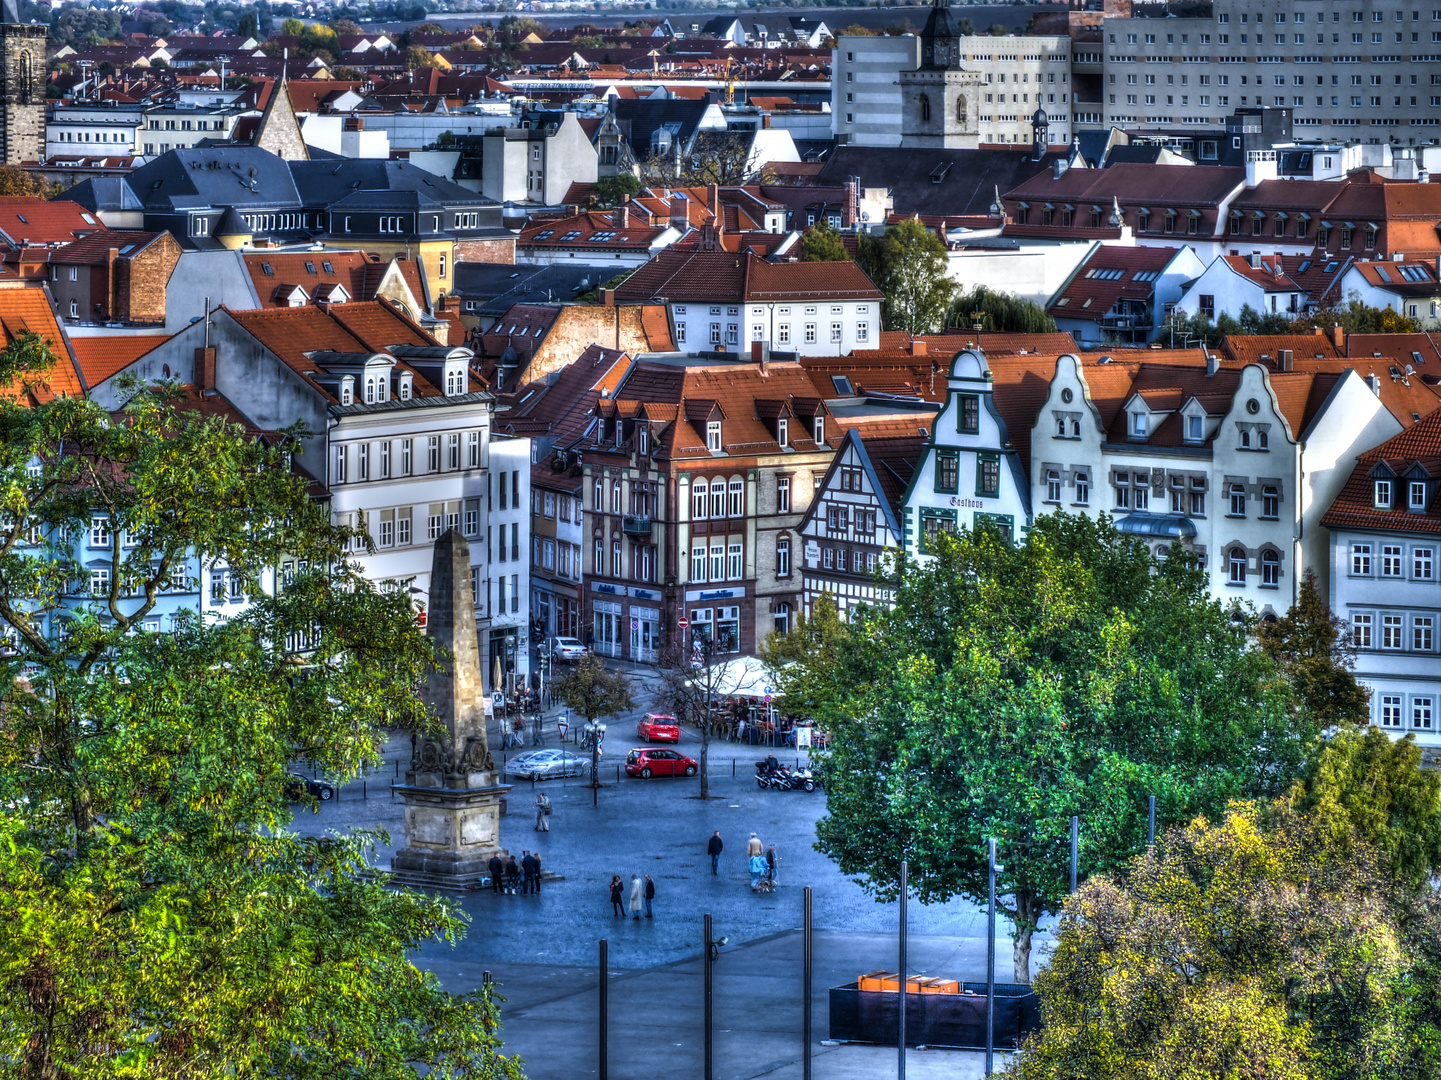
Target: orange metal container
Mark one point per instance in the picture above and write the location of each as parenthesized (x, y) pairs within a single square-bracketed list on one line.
[(889, 981), (879, 980)]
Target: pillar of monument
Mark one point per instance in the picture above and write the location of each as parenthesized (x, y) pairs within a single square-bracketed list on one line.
[(452, 797)]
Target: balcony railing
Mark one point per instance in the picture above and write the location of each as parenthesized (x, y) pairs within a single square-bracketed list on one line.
[(635, 525)]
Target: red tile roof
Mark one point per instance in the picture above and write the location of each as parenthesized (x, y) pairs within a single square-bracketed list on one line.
[(592, 229), (1355, 507), (95, 248), (704, 276), (1112, 273), (38, 221), (27, 308), (1270, 275), (101, 357)]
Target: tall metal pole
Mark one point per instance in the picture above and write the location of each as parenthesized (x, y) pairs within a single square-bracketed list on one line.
[(991, 959), (1075, 849), (901, 973), (604, 1009), (709, 1002), (1151, 821), (807, 960)]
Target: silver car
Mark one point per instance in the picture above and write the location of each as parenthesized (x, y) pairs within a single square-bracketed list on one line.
[(568, 649), (546, 765)]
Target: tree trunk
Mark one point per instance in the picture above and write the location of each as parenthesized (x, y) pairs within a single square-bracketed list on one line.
[(1027, 916), (705, 759)]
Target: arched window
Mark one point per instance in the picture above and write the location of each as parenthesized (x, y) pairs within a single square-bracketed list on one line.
[(1076, 428), (925, 109), (1270, 567), (1053, 485), (737, 498), (1236, 566), (698, 492), (961, 110), (1163, 552)]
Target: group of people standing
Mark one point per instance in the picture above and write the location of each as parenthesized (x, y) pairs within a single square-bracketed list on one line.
[(761, 861), (640, 893), (507, 876)]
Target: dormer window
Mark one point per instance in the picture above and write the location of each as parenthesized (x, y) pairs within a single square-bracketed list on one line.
[(1195, 429), (454, 381), (642, 439), (783, 431), (820, 430), (1416, 499), (347, 391), (713, 436), (1140, 422), (1383, 494), (406, 382)]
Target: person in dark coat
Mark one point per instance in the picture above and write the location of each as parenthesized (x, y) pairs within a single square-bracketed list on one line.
[(617, 896), (496, 869), (535, 884), (714, 849), (649, 895), (527, 870), (512, 876)]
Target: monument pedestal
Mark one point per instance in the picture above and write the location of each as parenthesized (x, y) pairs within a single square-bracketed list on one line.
[(450, 833)]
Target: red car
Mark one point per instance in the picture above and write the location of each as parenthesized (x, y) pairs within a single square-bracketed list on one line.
[(648, 763), (658, 727)]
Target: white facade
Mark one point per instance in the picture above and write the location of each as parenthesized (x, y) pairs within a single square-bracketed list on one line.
[(1239, 487), (507, 579), (807, 327), (1032, 270), (1224, 290), (105, 128), (1385, 586), (1421, 303), (968, 476), (177, 127)]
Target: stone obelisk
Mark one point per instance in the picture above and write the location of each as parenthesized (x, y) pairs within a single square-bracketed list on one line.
[(452, 799)]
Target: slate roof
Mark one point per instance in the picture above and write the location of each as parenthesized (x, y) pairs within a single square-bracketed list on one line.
[(214, 176), (1419, 446), (323, 182), (496, 286), (639, 119), (968, 178)]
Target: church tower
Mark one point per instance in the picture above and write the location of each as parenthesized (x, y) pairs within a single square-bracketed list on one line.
[(939, 100), (22, 87)]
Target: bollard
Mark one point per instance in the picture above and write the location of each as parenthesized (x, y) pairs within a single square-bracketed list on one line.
[(397, 768), (364, 794), (733, 766)]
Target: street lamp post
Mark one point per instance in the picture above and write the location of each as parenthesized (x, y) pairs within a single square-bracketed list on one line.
[(596, 731)]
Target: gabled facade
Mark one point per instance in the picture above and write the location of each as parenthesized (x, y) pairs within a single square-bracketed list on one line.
[(1123, 294), (853, 527), (1385, 537), (1411, 289), (1233, 282), (969, 474)]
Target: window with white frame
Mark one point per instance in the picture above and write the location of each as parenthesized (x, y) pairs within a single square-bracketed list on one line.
[(1416, 499), (402, 527), (713, 436), (783, 495), (1270, 503), (697, 563), (1053, 485), (432, 454), (733, 562), (1422, 561), (1361, 631), (699, 490), (1361, 559), (407, 457), (1123, 491), (1391, 626), (1083, 488), (1390, 710), (1383, 494), (818, 430), (1422, 630), (1421, 711), (1238, 500), (99, 531), (1236, 566), (1270, 568), (737, 498), (617, 560), (717, 562), (1390, 560), (783, 557)]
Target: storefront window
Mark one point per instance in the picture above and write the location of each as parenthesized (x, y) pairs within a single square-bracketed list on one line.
[(607, 628), (644, 633)]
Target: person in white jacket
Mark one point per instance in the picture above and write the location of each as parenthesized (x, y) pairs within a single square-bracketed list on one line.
[(635, 901)]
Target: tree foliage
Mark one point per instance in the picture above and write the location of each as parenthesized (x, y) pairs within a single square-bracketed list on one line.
[(610, 190), (157, 917), (1354, 317), (593, 690), (17, 181), (910, 267), (821, 243), (996, 310), (1012, 687), (1314, 649)]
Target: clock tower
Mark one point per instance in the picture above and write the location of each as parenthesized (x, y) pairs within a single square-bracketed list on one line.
[(938, 99)]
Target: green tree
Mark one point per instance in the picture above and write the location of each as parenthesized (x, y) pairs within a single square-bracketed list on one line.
[(248, 25), (1314, 649), (909, 266), (1234, 951), (996, 310), (157, 917), (1365, 785), (593, 690), (610, 190), (292, 28), (1012, 687), (418, 57), (821, 243)]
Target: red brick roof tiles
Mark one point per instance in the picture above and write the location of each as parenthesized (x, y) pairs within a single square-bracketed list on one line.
[(27, 308), (101, 357), (1355, 507), (39, 221)]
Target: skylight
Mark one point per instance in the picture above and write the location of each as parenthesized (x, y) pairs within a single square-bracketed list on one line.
[(267, 269), (546, 235), (328, 268), (309, 267)]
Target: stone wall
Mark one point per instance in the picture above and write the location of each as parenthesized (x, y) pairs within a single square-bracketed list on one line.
[(578, 326), (140, 281), (22, 93), (496, 250)]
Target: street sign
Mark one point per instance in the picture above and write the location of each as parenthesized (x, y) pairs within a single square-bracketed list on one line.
[(769, 691), (768, 699), (683, 622)]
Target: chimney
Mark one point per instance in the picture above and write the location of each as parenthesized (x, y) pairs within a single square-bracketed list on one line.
[(1059, 169), (1338, 337), (761, 356), (1284, 361), (1213, 363), (1374, 383), (112, 255), (712, 194), (621, 217), (918, 346), (679, 214), (1423, 176), (606, 297), (205, 370)]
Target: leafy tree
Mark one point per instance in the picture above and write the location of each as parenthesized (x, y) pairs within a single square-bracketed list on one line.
[(722, 158), (419, 57), (17, 181), (856, 30), (821, 243), (1012, 687), (157, 917), (292, 28), (1234, 951), (516, 27), (593, 690), (1314, 649), (690, 683), (345, 26), (428, 28), (996, 310), (910, 266), (248, 25), (588, 41), (610, 190), (1366, 786), (998, 30)]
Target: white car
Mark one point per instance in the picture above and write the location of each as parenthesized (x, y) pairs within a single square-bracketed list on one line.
[(546, 765), (568, 648)]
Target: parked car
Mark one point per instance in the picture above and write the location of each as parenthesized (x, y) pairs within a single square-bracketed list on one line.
[(545, 765), (657, 727), (568, 648), (647, 763), (299, 786)]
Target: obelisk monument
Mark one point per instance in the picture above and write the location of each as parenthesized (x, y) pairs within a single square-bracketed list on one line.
[(452, 799)]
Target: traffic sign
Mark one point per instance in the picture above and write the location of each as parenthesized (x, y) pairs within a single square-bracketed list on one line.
[(769, 691), (768, 699), (683, 622)]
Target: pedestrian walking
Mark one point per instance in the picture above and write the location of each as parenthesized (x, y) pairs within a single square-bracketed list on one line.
[(754, 847), (757, 868), (527, 872), (512, 876), (496, 868), (714, 849), (772, 859), (542, 812), (617, 893), (536, 856), (649, 896), (635, 896)]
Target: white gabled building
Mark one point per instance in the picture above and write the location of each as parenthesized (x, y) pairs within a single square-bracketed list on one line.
[(1232, 282), (1409, 288), (969, 474)]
